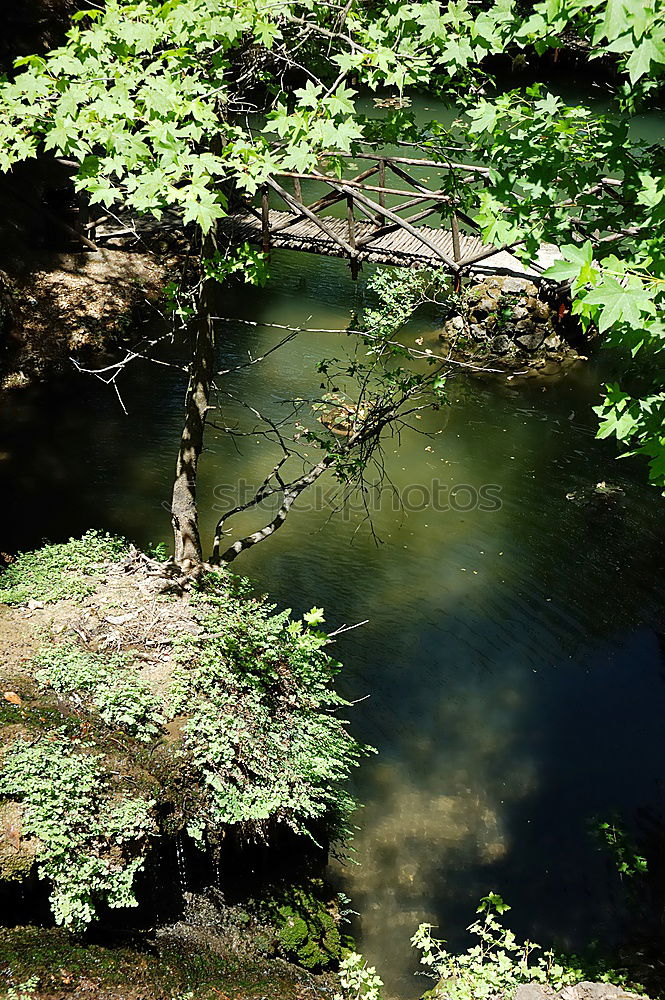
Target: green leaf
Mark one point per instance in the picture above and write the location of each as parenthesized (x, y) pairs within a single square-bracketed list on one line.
[(619, 303), (641, 58), (314, 617)]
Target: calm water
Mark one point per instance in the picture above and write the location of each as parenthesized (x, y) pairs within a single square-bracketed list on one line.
[(512, 658), (511, 669)]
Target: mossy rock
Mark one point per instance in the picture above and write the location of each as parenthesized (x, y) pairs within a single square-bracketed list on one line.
[(306, 925)]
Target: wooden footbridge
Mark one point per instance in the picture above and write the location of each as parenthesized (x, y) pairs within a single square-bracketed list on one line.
[(370, 229), (368, 217)]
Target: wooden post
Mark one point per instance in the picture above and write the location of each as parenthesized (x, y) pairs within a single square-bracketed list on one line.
[(402, 223), (382, 184), (457, 250), (298, 189), (330, 233), (350, 221), (265, 218)]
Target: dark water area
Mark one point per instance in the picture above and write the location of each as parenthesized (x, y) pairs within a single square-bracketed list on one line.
[(511, 669)]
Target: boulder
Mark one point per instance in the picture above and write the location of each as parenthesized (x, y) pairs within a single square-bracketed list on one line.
[(512, 286), (534, 991), (553, 342), (531, 339), (595, 991), (502, 344)]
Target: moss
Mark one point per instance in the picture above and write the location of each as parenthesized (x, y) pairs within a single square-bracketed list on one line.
[(151, 970), (306, 924)]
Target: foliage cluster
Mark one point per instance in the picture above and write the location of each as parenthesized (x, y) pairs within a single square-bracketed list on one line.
[(614, 838), (358, 980), (499, 963), (398, 293), (108, 680), (92, 837), (494, 967), (147, 96), (261, 728), (245, 262), (24, 990), (64, 570)]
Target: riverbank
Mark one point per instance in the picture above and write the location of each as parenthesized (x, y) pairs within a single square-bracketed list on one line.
[(57, 306), (160, 751)]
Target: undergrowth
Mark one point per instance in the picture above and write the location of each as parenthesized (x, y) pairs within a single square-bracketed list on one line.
[(55, 572), (108, 681), (92, 838), (498, 963)]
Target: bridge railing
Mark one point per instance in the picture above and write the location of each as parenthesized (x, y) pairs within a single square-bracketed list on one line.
[(366, 202)]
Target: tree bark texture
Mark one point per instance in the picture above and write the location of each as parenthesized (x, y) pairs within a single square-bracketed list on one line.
[(184, 512)]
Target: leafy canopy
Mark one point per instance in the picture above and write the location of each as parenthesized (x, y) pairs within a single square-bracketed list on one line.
[(146, 98)]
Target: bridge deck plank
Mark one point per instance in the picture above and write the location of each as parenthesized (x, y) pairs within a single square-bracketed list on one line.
[(396, 247)]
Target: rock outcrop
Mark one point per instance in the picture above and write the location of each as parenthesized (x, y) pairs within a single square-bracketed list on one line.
[(65, 305), (511, 320)]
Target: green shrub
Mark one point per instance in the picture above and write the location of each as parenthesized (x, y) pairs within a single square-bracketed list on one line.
[(59, 571), (108, 681), (257, 687), (91, 838), (494, 967), (499, 963)]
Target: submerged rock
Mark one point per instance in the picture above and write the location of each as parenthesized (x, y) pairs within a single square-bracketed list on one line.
[(600, 497)]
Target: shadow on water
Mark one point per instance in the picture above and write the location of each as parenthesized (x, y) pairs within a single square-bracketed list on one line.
[(511, 658)]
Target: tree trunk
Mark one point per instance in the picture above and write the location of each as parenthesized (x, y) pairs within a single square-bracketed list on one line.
[(184, 514)]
